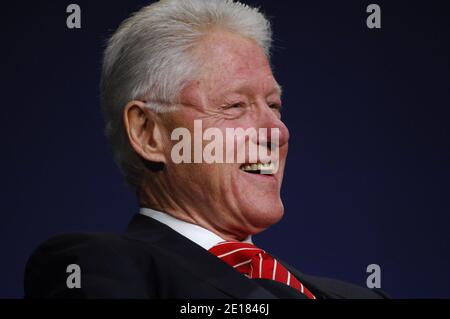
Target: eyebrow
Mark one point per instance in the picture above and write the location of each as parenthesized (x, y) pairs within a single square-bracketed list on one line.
[(276, 89)]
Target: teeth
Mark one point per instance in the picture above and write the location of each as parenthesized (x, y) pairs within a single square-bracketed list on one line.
[(265, 168)]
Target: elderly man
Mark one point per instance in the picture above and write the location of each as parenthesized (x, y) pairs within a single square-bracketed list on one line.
[(170, 66)]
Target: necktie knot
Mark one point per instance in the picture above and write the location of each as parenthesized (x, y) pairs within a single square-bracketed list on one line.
[(254, 262)]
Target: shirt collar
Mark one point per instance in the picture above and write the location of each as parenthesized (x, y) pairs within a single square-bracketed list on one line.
[(199, 235)]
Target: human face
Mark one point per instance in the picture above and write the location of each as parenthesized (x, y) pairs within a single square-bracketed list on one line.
[(235, 89)]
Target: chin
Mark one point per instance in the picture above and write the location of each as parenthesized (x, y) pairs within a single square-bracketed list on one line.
[(258, 198), (264, 214)]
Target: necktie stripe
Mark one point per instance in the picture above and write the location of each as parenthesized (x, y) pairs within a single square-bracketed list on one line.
[(224, 243), (242, 263), (229, 246), (274, 269), (260, 265), (235, 251)]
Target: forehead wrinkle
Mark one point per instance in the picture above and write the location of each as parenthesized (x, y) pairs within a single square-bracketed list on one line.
[(232, 64), (250, 87)]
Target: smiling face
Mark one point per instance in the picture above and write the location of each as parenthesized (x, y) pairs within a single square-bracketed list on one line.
[(235, 89)]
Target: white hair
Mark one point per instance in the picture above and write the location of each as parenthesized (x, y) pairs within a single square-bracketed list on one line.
[(149, 58)]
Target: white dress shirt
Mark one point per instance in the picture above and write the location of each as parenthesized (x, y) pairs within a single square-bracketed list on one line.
[(199, 235)]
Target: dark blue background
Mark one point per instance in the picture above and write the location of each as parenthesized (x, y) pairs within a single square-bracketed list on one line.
[(368, 175)]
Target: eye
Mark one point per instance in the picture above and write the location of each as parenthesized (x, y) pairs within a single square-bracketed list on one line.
[(236, 105), (275, 106)]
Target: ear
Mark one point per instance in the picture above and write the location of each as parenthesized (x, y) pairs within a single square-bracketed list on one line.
[(145, 131)]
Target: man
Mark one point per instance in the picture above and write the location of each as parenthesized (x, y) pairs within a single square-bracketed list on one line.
[(171, 67)]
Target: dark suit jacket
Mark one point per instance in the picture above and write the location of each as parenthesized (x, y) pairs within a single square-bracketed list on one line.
[(153, 261)]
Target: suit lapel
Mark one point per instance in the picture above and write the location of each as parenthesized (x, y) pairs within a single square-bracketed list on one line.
[(195, 259)]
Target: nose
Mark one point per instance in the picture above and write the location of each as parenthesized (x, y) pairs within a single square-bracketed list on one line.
[(271, 120)]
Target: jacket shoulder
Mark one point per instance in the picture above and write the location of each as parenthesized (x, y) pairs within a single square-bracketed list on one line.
[(109, 266)]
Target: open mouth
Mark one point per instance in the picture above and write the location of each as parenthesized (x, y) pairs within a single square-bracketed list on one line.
[(258, 168)]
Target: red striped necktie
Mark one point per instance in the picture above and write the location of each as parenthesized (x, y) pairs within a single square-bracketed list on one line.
[(254, 262)]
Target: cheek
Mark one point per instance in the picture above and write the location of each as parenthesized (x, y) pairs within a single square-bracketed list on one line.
[(201, 182), (207, 176)]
